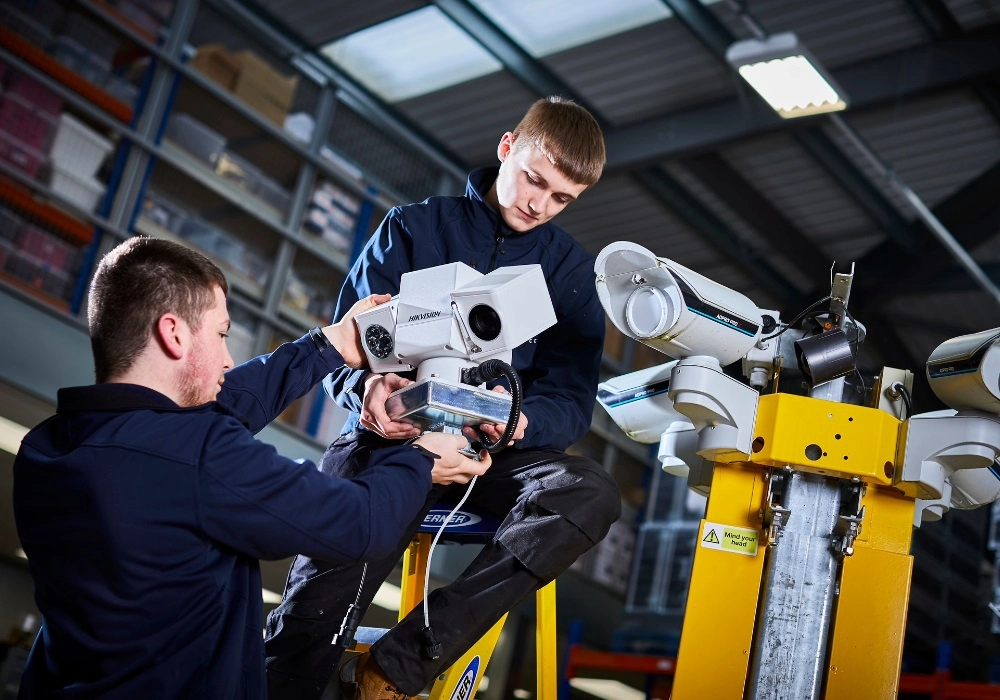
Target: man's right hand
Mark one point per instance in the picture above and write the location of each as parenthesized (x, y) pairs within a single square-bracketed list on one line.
[(453, 467), (373, 415)]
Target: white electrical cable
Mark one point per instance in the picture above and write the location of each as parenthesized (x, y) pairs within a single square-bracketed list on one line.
[(430, 552)]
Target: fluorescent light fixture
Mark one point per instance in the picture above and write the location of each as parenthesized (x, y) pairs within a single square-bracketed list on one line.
[(607, 689), (11, 434), (413, 54), (786, 75), (270, 597), (20, 552)]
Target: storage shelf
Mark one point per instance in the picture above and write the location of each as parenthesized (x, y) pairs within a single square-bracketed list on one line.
[(260, 210), (324, 250), (21, 198), (293, 322), (41, 60), (325, 166), (237, 280), (196, 170), (301, 318), (132, 29), (25, 288), (384, 196)]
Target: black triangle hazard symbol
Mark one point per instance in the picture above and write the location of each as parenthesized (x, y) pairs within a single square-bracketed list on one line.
[(711, 537)]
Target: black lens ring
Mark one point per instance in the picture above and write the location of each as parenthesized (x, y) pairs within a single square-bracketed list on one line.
[(484, 322)]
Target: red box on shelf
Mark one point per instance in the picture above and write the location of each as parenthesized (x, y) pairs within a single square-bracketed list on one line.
[(26, 122), (45, 247), (38, 274), (35, 93), (23, 157)]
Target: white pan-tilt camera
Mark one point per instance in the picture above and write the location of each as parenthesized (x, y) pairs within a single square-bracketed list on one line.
[(964, 372), (701, 323), (950, 457), (639, 404), (444, 322), (673, 309)]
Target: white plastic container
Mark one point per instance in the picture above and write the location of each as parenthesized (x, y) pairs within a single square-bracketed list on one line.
[(195, 138), (77, 148), (82, 192)]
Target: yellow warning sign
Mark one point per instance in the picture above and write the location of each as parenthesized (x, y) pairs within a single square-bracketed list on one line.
[(730, 539)]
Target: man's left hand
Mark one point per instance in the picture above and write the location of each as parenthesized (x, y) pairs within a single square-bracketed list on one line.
[(345, 336)]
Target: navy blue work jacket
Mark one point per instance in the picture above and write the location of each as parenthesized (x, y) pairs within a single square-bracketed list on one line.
[(559, 369), (143, 523)]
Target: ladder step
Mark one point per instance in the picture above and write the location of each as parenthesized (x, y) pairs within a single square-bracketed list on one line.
[(369, 635)]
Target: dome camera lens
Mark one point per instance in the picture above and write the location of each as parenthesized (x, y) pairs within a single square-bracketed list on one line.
[(485, 322)]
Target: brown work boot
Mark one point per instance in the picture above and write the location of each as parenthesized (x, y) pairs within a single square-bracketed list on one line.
[(362, 679)]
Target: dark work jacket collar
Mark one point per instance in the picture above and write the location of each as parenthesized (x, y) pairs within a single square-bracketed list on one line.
[(117, 398), (480, 182)]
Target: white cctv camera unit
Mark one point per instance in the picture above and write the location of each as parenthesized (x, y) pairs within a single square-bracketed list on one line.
[(639, 404), (950, 457), (446, 321), (701, 323)]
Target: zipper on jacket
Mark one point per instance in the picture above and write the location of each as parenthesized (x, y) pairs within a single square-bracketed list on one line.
[(493, 257)]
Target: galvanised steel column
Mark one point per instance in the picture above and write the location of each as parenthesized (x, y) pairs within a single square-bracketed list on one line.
[(800, 582)]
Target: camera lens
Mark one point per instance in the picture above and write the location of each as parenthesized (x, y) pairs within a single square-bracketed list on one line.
[(648, 312), (484, 322), (378, 341)]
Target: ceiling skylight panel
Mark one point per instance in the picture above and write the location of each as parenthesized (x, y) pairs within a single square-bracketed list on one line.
[(544, 27), (413, 54)]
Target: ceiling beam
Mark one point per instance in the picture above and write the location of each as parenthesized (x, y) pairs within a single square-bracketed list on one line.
[(515, 59), (758, 211), (700, 218), (972, 214), (850, 178), (936, 18), (704, 25), (955, 279), (940, 23), (901, 75)]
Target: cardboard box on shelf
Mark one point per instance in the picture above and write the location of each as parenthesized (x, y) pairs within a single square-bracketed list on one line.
[(218, 64), (264, 88), (250, 78)]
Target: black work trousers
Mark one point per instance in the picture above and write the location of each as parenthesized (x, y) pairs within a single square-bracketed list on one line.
[(554, 507)]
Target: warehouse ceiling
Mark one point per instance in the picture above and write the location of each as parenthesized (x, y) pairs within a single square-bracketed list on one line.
[(701, 171)]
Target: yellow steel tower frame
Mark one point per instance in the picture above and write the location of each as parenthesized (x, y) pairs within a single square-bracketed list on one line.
[(834, 440)]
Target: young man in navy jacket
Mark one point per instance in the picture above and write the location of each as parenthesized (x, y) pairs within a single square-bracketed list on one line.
[(145, 503), (554, 506)]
